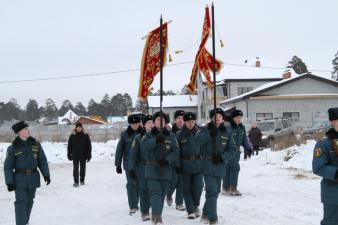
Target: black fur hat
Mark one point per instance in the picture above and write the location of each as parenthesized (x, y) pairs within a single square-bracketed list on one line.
[(333, 114), (19, 126), (146, 118), (158, 114), (218, 110), (134, 118), (189, 116), (179, 113), (236, 112)]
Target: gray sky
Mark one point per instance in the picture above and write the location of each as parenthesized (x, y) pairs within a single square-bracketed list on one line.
[(41, 39)]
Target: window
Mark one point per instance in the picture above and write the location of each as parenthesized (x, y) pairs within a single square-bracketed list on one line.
[(260, 116), (242, 90), (294, 116), (225, 91), (285, 123), (279, 125)]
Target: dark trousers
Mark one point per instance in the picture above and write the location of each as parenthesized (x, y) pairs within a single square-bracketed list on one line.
[(255, 149), (330, 216), (24, 200), (76, 170)]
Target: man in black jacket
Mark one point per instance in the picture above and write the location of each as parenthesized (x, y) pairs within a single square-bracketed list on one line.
[(80, 151)]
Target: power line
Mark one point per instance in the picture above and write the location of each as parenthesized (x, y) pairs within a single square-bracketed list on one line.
[(135, 70)]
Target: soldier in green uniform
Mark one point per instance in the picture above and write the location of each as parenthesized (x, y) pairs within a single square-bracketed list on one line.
[(325, 164), (122, 153), (238, 138), (188, 139), (136, 166), (176, 181), (161, 153), (23, 158)]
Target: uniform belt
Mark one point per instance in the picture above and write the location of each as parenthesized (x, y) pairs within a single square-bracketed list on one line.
[(27, 172), (207, 157), (152, 162), (191, 157)]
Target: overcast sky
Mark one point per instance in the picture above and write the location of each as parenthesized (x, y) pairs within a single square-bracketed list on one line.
[(41, 39)]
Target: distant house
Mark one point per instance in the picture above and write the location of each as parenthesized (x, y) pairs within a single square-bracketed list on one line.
[(172, 103), (89, 120), (68, 118), (302, 98), (114, 119), (234, 81)]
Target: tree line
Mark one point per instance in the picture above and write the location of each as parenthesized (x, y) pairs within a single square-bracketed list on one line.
[(117, 105)]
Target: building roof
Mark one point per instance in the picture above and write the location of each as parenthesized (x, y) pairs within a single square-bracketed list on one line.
[(88, 118), (173, 101), (275, 84)]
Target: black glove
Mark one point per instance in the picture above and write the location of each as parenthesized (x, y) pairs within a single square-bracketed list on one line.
[(89, 158), (336, 175), (217, 158), (10, 187), (162, 162), (160, 139), (119, 170), (132, 174), (47, 180), (69, 156), (213, 132), (179, 170)]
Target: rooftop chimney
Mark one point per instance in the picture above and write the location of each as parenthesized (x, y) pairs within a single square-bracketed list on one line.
[(258, 62), (286, 75)]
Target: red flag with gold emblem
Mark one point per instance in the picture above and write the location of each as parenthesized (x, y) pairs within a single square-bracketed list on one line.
[(150, 64), (203, 59)]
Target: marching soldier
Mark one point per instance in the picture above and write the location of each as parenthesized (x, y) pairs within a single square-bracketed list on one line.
[(214, 147), (238, 138), (176, 181), (161, 153), (190, 154), (325, 164), (23, 158), (136, 166), (122, 152)]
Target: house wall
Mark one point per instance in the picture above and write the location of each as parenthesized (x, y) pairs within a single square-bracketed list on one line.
[(310, 110), (303, 86)]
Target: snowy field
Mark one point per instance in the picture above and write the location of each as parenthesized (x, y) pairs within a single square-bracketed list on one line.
[(275, 192)]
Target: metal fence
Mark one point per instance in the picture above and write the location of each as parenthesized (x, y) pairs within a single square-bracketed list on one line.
[(61, 133)]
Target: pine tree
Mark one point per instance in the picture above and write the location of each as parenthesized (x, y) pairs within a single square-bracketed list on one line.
[(142, 106), (10, 110), (80, 110), (94, 109), (50, 110), (32, 110), (106, 105), (297, 65), (335, 67), (66, 105)]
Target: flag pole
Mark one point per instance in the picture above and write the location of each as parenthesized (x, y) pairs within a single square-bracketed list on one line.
[(213, 55), (161, 72)]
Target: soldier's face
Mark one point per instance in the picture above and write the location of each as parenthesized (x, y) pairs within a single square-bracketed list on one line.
[(149, 125), (237, 119), (219, 119), (190, 124), (24, 133), (334, 124), (135, 126), (158, 122), (179, 121)]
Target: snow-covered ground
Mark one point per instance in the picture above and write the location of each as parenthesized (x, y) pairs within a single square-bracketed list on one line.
[(275, 192)]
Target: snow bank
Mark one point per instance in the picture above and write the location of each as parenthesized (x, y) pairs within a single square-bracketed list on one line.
[(56, 152)]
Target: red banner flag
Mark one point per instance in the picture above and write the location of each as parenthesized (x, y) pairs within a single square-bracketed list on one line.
[(150, 64), (203, 59)]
